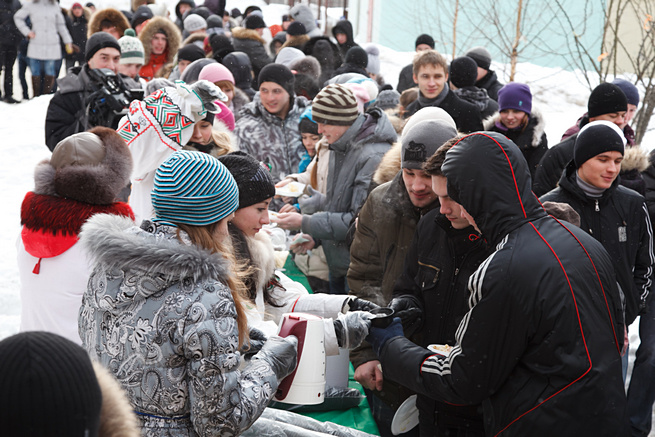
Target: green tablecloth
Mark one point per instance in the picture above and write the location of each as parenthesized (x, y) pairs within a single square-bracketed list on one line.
[(360, 417)]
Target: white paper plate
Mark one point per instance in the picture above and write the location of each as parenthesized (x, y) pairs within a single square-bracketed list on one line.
[(406, 416), (441, 349), (292, 189)]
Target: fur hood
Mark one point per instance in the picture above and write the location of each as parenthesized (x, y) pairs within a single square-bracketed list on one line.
[(243, 33), (172, 32), (117, 243), (297, 41), (634, 158), (117, 419), (111, 14), (86, 13), (192, 39), (136, 3), (389, 166), (535, 117), (308, 65), (262, 257)]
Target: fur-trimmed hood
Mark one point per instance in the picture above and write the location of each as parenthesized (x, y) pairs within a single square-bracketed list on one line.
[(117, 418), (536, 120), (111, 14), (389, 165), (297, 41), (172, 33), (153, 250), (243, 33), (86, 13), (634, 158), (192, 39)]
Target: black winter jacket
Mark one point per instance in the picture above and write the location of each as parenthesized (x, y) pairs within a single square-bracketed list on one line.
[(620, 221), (346, 27), (9, 33), (406, 78), (490, 83), (466, 115), (552, 164), (540, 346)]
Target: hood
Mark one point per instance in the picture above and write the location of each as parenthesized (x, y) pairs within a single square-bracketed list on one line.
[(192, 39), (86, 14), (243, 33), (377, 128), (153, 250), (239, 64), (536, 122), (172, 32), (303, 14), (634, 158), (344, 26), (183, 2), (111, 14), (389, 166), (488, 175)]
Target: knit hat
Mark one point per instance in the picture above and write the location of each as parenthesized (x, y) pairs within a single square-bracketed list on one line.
[(422, 140), (49, 374), (424, 39), (515, 95), (595, 138), (194, 22), (255, 22), (99, 41), (357, 56), (190, 52), (373, 53), (141, 14), (606, 98), (463, 72), (278, 74), (631, 92), (387, 99), (131, 48), (296, 28), (481, 56), (216, 72), (76, 5), (193, 188), (221, 46), (254, 181), (428, 113), (335, 105), (288, 55), (307, 124)]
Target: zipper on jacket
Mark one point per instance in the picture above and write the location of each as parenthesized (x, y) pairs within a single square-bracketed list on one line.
[(597, 207)]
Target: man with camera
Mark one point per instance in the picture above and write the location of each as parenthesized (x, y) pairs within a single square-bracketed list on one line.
[(90, 95)]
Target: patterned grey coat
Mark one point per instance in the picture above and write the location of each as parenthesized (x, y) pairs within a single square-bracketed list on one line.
[(270, 139), (158, 315)]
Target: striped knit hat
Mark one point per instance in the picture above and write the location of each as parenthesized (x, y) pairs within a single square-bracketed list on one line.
[(193, 188), (335, 105)]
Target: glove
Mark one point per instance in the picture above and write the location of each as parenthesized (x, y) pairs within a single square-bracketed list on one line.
[(312, 203), (257, 341), (69, 48), (281, 354), (358, 304), (378, 337), (76, 48), (351, 328), (410, 311)]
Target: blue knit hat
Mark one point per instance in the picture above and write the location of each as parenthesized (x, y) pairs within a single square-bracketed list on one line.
[(193, 188), (515, 95)]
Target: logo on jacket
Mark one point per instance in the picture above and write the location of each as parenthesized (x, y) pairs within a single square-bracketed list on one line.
[(623, 234), (415, 152)]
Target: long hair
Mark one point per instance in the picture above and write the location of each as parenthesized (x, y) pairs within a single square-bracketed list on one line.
[(204, 236)]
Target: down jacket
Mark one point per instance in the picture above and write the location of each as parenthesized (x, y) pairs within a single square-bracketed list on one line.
[(253, 45), (540, 346), (157, 314), (619, 220), (353, 160), (48, 25)]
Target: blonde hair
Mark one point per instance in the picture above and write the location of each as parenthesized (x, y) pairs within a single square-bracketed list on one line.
[(224, 83)]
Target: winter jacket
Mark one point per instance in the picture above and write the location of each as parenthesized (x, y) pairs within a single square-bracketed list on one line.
[(628, 133), (239, 64), (48, 25), (530, 138), (635, 162), (490, 83), (552, 164), (154, 64), (9, 33), (322, 163), (249, 42), (78, 29), (346, 27), (649, 183), (466, 115), (239, 100), (353, 160), (271, 139), (53, 268), (303, 14), (479, 97), (328, 55), (619, 220), (385, 229), (437, 269), (540, 345), (406, 78), (158, 315)]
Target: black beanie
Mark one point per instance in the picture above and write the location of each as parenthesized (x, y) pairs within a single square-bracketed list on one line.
[(142, 14), (279, 74), (595, 138), (357, 56), (296, 28), (255, 22), (254, 181), (463, 72), (424, 39), (48, 386), (606, 98), (190, 52), (99, 41)]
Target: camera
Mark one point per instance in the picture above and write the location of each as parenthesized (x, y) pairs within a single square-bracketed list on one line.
[(109, 102)]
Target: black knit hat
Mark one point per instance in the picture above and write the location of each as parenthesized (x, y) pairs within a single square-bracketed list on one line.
[(278, 74), (190, 52), (296, 28), (141, 14), (357, 56), (48, 386), (99, 41), (255, 22), (595, 138), (463, 72), (606, 98), (424, 39), (254, 181)]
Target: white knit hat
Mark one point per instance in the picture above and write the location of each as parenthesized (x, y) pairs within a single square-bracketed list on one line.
[(194, 22), (131, 48)]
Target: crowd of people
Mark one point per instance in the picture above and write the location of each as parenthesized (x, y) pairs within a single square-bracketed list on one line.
[(513, 269)]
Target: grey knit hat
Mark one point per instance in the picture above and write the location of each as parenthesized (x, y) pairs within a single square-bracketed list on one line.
[(481, 56), (194, 22), (422, 140), (335, 105)]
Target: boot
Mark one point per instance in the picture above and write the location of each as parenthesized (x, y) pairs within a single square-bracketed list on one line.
[(36, 86), (48, 84)]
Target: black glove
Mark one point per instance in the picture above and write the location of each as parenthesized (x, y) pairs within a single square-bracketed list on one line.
[(358, 304), (352, 328), (410, 311)]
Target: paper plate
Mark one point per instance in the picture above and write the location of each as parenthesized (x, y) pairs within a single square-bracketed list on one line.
[(406, 416), (292, 189), (441, 349)]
